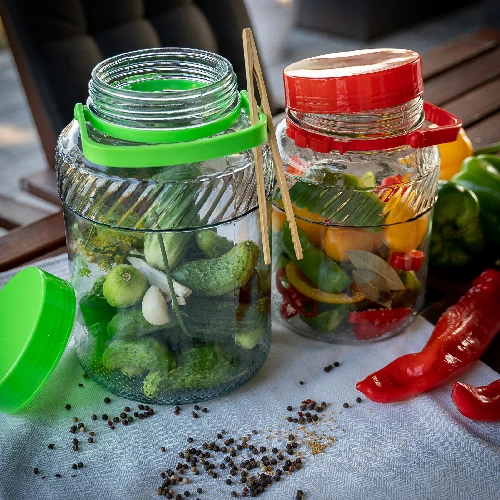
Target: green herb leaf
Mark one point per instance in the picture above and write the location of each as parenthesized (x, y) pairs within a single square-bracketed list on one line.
[(373, 286), (342, 200), (363, 260)]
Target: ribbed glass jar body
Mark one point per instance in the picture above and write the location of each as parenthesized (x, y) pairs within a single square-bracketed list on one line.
[(166, 261), (364, 219)]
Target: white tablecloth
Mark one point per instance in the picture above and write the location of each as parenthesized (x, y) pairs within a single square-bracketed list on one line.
[(419, 449)]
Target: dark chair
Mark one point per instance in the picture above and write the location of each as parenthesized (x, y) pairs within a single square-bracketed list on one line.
[(56, 43)]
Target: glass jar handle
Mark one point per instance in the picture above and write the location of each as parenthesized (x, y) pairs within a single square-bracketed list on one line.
[(446, 130), (160, 155)]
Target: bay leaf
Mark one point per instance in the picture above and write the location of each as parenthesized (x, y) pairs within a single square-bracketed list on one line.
[(363, 260), (373, 286)]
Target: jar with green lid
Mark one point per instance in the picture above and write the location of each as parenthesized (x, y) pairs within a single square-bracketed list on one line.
[(359, 147), (156, 175)]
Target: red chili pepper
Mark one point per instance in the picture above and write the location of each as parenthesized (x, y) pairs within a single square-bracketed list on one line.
[(461, 336), (374, 323), (480, 403), (293, 301), (407, 261)]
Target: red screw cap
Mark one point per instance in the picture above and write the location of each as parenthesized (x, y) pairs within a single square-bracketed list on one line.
[(355, 81)]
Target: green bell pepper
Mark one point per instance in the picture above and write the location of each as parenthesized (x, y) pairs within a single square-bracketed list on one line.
[(323, 271), (456, 230), (481, 175)]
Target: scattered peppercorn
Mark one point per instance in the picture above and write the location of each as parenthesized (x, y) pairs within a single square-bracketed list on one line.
[(58, 475), (346, 405), (80, 465), (195, 415), (74, 466), (196, 407), (127, 409), (328, 368), (51, 446), (107, 400), (123, 415), (301, 382), (336, 364), (104, 416), (85, 375), (163, 449), (299, 495), (204, 410), (80, 385), (90, 440), (93, 416), (68, 407), (358, 400), (35, 471)]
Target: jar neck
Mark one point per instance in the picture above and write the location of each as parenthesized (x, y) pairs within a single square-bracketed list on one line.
[(388, 122), (163, 88)]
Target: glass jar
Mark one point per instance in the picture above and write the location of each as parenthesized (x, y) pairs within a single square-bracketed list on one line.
[(359, 150), (157, 179)]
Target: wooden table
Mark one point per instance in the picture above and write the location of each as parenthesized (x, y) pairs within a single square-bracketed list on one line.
[(462, 76)]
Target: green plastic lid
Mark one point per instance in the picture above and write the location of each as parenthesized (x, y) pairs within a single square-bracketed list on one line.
[(37, 311)]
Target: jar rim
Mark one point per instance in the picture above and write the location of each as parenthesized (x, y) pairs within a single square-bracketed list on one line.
[(141, 58), (208, 92)]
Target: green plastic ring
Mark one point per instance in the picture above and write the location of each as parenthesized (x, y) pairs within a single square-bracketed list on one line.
[(166, 154)]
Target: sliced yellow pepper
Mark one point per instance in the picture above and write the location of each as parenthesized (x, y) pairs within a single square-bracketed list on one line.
[(300, 282)]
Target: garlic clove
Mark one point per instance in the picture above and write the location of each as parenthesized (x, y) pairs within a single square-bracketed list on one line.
[(154, 307)]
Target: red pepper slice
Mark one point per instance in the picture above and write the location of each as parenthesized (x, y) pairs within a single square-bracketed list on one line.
[(374, 323), (379, 316), (384, 192), (461, 336), (407, 261), (480, 403), (391, 180)]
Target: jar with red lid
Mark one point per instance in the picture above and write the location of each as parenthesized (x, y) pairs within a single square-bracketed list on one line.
[(359, 148)]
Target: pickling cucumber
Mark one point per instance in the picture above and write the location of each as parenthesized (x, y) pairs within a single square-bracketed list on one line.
[(135, 357), (212, 244), (214, 277), (130, 323)]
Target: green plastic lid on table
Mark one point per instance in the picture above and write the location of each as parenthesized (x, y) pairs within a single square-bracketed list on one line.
[(37, 312)]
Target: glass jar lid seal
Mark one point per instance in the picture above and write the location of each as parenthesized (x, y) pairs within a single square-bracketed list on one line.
[(354, 81)]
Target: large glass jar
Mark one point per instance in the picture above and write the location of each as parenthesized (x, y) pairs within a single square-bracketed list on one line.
[(362, 165), (157, 179)]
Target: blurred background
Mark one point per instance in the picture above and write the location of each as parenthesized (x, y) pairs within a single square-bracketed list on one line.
[(285, 30)]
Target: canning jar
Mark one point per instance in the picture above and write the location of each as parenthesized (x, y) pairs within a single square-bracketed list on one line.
[(359, 150), (156, 175)]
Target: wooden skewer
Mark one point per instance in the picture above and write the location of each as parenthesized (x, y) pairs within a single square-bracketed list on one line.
[(273, 143), (257, 151)]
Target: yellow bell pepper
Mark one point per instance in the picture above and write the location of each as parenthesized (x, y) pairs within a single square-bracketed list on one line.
[(453, 154), (297, 280), (401, 236)]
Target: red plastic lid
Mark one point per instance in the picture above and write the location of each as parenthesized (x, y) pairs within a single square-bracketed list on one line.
[(350, 82)]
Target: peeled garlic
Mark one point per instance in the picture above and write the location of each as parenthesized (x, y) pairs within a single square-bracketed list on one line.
[(154, 307)]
